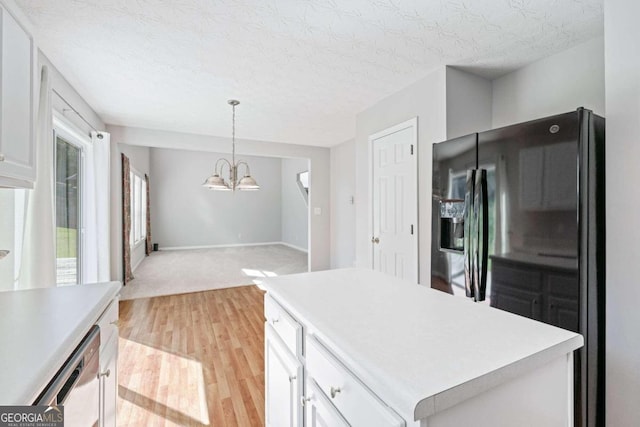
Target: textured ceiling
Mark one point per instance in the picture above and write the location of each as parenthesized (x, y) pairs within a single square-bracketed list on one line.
[(301, 68)]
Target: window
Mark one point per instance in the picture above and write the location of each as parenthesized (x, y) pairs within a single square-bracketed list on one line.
[(68, 191), (302, 179), (138, 208)]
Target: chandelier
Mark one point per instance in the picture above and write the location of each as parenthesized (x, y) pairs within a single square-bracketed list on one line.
[(216, 182)]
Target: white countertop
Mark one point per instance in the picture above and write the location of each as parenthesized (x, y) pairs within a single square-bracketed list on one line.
[(420, 350), (39, 328)]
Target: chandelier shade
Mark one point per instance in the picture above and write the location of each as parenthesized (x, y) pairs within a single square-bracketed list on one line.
[(216, 182)]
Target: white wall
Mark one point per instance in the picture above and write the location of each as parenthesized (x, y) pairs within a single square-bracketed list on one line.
[(622, 66), (425, 99), (318, 157), (60, 85), (186, 214), (448, 103), (295, 212), (343, 211), (139, 159), (468, 103), (557, 84)]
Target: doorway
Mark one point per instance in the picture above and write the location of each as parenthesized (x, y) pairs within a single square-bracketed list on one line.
[(394, 241)]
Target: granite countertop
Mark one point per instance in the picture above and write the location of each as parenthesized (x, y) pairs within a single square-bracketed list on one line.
[(418, 349), (39, 329)]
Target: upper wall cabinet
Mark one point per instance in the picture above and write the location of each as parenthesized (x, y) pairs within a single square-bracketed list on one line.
[(17, 103), (548, 177)]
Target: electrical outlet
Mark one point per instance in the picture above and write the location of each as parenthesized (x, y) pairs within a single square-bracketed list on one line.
[(317, 211)]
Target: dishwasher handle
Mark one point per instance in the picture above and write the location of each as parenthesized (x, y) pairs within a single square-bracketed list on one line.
[(57, 391)]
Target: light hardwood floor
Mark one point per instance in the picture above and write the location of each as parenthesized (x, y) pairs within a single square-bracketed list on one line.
[(193, 359)]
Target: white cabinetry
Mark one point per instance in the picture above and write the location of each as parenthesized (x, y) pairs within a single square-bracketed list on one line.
[(334, 396), (358, 405), (320, 412), (17, 103), (283, 382), (108, 374), (109, 384)]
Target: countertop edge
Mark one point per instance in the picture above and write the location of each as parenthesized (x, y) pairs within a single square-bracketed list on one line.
[(455, 395), (66, 347)]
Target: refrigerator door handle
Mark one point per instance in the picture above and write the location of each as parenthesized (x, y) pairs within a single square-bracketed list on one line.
[(481, 209), (469, 232)]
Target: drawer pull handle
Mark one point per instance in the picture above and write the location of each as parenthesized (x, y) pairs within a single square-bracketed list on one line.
[(274, 321), (304, 400), (334, 391), (291, 378), (104, 374)]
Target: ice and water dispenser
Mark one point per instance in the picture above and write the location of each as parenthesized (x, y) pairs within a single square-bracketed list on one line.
[(452, 225)]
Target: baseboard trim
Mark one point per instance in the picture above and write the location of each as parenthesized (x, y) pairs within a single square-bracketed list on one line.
[(134, 267), (298, 248), (233, 245)]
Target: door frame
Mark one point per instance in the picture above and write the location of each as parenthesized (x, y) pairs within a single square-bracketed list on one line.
[(413, 124), (67, 131)]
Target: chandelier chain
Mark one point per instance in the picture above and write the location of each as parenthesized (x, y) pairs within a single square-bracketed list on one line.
[(233, 135)]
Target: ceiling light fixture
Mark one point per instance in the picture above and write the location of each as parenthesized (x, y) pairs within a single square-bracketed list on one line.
[(216, 181)]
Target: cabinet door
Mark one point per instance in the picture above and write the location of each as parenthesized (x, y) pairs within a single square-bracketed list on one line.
[(563, 313), (563, 302), (17, 142), (560, 176), (283, 383), (531, 164), (319, 411), (524, 303), (109, 382)]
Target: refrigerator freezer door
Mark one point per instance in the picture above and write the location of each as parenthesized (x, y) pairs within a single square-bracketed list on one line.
[(451, 161)]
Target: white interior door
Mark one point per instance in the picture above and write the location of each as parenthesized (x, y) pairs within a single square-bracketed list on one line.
[(395, 201)]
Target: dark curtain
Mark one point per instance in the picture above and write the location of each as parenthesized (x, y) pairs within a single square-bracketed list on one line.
[(126, 220), (149, 246)]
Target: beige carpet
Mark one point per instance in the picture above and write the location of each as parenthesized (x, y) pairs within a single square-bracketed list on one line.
[(183, 271)]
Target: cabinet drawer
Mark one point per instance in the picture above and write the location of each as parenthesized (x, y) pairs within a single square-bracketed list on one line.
[(320, 412), (516, 277), (524, 303), (287, 328), (108, 323), (563, 285), (358, 405)]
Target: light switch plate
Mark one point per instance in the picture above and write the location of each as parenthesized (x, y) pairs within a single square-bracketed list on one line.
[(317, 211)]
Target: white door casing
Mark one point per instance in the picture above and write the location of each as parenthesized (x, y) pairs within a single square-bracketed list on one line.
[(394, 238)]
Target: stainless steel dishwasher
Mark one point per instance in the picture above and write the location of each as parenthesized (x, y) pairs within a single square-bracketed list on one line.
[(76, 385)]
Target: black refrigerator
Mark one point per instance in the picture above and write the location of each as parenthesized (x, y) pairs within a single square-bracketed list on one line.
[(518, 223)]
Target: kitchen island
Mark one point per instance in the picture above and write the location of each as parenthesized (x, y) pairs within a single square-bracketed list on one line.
[(356, 347), (40, 328)]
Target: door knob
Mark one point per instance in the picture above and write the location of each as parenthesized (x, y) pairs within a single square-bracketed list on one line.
[(335, 391), (375, 240)]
